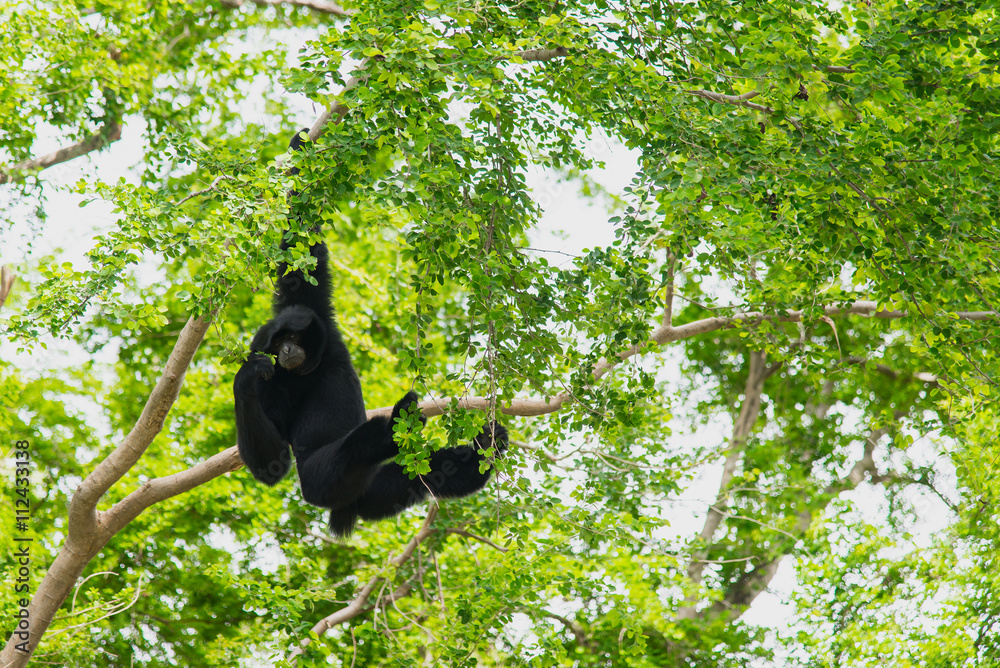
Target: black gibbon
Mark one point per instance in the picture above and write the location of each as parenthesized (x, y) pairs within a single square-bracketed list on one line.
[(311, 401)]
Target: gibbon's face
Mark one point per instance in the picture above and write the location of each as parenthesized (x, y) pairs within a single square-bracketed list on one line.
[(291, 355)]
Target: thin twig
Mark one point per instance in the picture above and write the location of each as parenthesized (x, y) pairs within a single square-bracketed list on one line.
[(481, 539), (210, 188), (359, 605)]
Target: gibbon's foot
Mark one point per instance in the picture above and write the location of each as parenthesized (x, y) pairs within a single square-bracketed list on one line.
[(495, 435), (407, 403)]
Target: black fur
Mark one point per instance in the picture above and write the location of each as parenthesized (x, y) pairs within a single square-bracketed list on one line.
[(317, 408)]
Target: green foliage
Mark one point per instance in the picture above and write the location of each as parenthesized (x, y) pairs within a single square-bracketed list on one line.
[(790, 158)]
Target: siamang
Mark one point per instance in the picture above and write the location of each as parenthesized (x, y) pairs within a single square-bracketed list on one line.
[(311, 400)]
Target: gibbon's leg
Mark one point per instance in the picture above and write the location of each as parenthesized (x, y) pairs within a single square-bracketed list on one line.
[(336, 474), (454, 473)]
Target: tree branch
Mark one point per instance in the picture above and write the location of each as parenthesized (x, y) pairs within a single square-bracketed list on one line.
[(748, 587), (744, 591), (89, 531), (335, 114), (749, 413), (523, 407), (741, 101), (661, 336), (358, 605), (339, 109), (323, 6), (153, 491), (481, 539), (888, 372), (7, 278), (868, 308), (668, 299), (573, 626), (82, 509), (540, 55), (738, 100), (211, 187), (108, 134)]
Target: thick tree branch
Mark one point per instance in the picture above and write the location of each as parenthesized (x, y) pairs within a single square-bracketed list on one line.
[(867, 308), (82, 509), (360, 605), (737, 100), (668, 334), (749, 413), (854, 477), (335, 114), (744, 591), (153, 491), (523, 407), (89, 531), (107, 135)]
